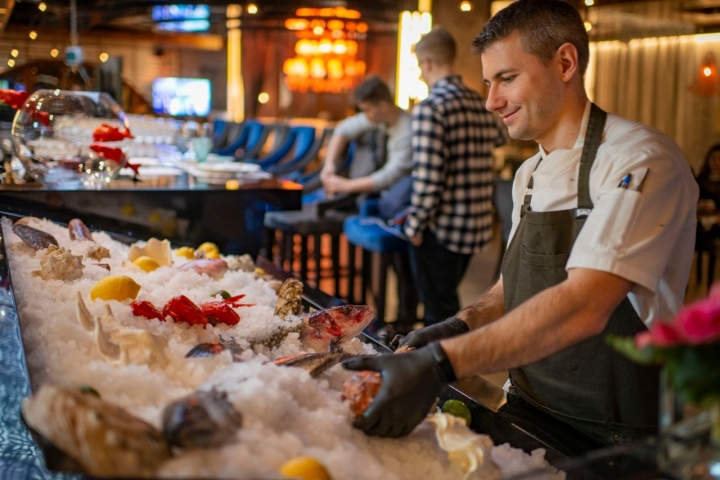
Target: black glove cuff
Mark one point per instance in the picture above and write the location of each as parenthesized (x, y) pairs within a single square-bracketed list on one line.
[(440, 357), (458, 325)]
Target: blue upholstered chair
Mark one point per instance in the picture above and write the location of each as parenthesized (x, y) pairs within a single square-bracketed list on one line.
[(367, 232), (299, 141), (249, 136)]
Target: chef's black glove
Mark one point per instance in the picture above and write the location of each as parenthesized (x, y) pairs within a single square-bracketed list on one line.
[(419, 338), (410, 383)]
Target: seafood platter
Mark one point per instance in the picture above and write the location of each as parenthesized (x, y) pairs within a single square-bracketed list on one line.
[(148, 361)]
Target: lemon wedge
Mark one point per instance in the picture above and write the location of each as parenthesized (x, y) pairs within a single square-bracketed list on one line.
[(146, 263), (209, 247), (306, 468), (185, 252), (115, 287)]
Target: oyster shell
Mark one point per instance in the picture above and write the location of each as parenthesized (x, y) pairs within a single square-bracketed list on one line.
[(60, 264)]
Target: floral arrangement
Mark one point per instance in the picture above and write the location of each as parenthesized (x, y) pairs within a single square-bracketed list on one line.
[(688, 347)]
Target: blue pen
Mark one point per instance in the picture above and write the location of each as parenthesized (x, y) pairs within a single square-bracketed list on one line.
[(625, 183)]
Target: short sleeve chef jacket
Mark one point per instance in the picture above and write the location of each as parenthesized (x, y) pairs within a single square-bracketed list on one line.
[(645, 233)]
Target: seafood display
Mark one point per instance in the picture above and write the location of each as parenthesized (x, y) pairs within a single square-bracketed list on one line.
[(360, 390), (104, 439), (202, 369)]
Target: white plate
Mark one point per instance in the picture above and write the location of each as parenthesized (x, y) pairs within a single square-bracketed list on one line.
[(143, 161), (214, 157), (151, 171), (232, 167)]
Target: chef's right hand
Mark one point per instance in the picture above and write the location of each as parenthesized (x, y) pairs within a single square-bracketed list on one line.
[(419, 338)]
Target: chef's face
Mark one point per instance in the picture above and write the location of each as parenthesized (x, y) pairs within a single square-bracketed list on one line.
[(524, 90)]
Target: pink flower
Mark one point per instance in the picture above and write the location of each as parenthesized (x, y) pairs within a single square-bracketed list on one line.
[(700, 322), (660, 335)]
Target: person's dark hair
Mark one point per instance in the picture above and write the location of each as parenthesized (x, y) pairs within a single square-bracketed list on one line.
[(372, 90), (705, 170), (543, 25)]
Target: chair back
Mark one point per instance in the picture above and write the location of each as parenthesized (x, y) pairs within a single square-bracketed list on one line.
[(305, 150), (240, 139)]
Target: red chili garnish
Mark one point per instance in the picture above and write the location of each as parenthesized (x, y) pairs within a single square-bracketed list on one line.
[(108, 133), (13, 98), (182, 309), (109, 153), (143, 308), (220, 312), (233, 300)]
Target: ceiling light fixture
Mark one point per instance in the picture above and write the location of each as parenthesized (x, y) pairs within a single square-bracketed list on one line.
[(264, 97), (14, 52), (252, 9), (466, 6), (104, 57), (54, 52), (11, 62), (33, 35), (707, 82), (589, 3), (588, 26), (42, 6)]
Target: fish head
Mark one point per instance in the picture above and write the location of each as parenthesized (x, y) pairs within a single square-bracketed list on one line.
[(323, 326)]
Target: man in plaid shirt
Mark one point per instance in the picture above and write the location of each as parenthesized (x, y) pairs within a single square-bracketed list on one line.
[(450, 216)]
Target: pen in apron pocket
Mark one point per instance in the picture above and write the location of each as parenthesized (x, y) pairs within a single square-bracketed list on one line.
[(625, 182)]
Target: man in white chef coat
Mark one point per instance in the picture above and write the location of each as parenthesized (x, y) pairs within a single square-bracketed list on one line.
[(602, 242)]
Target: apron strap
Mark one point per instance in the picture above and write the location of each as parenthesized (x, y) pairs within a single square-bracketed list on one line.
[(593, 138)]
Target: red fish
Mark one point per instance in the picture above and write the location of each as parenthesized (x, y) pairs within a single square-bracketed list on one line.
[(323, 326), (108, 133)]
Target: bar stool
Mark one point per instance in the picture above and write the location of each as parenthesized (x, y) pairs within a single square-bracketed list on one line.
[(365, 231), (313, 220)]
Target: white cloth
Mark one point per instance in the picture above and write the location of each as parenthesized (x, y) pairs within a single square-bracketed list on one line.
[(399, 146), (645, 233)]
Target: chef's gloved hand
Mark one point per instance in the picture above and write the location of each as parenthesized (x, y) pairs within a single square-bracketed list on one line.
[(410, 383), (419, 338)]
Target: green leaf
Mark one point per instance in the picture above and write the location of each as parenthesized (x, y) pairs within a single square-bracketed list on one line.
[(223, 293), (693, 372)]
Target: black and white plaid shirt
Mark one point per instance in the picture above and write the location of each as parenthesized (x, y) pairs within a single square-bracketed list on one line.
[(453, 136)]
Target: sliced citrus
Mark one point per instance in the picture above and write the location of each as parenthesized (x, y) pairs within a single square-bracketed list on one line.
[(146, 263), (208, 247), (306, 468), (185, 252), (115, 287), (457, 408)]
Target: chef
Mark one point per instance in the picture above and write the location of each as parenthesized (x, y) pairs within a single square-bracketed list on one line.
[(602, 242)]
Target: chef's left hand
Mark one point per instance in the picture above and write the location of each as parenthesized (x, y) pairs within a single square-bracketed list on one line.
[(410, 383)]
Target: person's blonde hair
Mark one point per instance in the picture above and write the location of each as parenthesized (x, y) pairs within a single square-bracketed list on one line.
[(438, 46)]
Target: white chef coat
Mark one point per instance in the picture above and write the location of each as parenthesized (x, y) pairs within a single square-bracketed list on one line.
[(644, 233)]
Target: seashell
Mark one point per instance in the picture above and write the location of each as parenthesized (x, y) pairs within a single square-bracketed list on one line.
[(159, 251), (78, 230), (289, 300), (201, 420), (60, 264), (37, 239)]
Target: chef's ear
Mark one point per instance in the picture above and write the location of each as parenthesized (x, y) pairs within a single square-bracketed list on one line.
[(566, 58)]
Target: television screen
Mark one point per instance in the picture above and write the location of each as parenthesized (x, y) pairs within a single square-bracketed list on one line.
[(171, 13), (181, 96), (184, 26)]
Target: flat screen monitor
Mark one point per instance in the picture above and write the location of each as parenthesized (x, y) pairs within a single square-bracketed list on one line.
[(174, 13), (181, 97)]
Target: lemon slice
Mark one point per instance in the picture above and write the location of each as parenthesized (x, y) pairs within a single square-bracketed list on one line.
[(146, 263), (115, 287), (209, 247), (306, 468), (185, 252)]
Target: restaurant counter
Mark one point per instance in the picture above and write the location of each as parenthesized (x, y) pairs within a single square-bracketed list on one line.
[(179, 208), (21, 457)]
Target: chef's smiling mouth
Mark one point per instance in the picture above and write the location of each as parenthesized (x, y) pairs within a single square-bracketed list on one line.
[(508, 116)]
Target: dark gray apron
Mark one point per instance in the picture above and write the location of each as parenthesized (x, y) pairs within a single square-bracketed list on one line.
[(589, 385)]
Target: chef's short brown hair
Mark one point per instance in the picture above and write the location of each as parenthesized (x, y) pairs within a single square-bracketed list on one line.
[(372, 90), (438, 46), (543, 25)]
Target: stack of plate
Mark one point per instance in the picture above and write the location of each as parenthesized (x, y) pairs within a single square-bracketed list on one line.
[(150, 167), (218, 173)]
